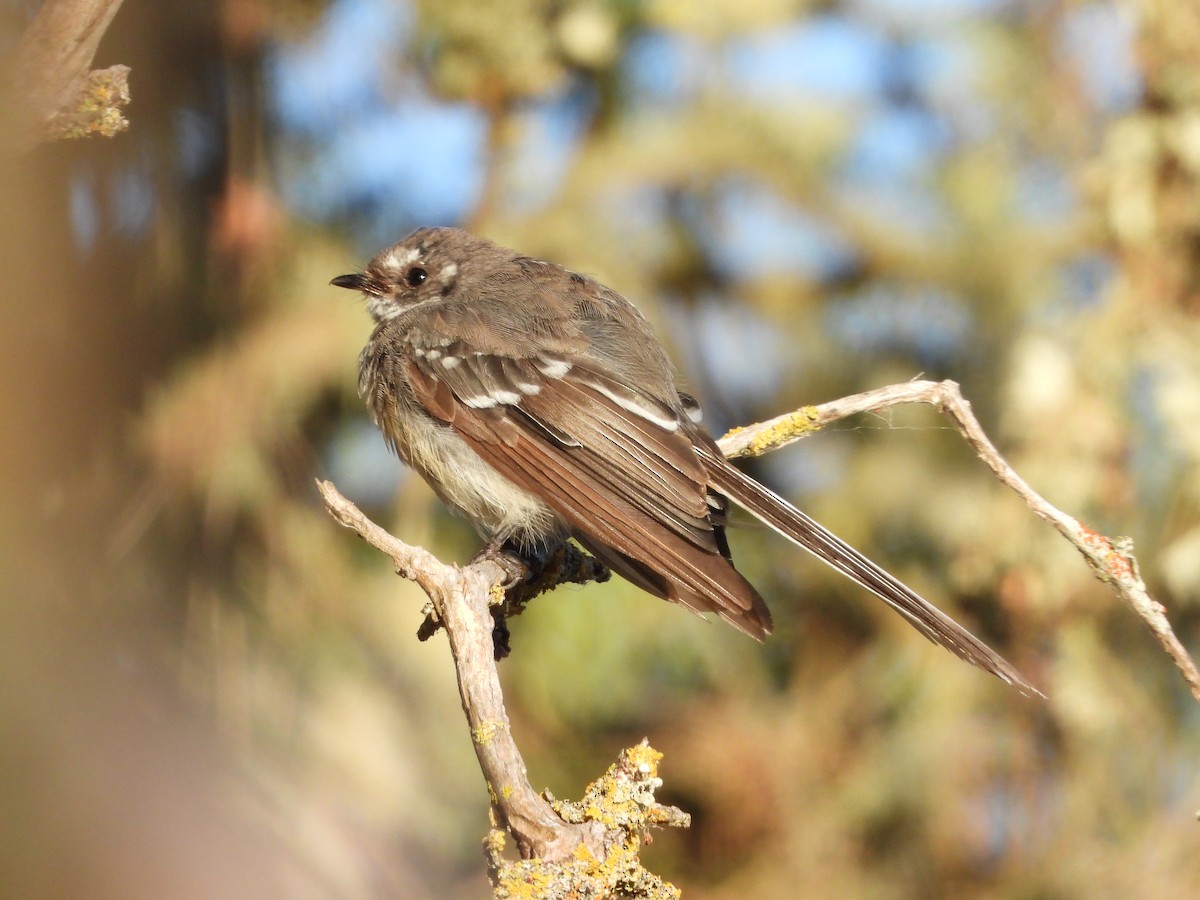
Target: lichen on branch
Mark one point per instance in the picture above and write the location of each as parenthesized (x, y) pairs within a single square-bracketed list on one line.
[(622, 801)]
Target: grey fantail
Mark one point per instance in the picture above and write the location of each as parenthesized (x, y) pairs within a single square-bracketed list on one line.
[(539, 404)]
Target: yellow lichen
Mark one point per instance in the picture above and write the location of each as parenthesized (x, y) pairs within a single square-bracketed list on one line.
[(646, 758), (584, 855), (622, 800), (788, 428), (97, 109), (484, 732)]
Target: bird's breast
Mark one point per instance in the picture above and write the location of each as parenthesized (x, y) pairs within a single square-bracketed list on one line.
[(440, 455)]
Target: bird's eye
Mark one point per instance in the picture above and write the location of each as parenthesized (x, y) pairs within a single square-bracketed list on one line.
[(415, 276)]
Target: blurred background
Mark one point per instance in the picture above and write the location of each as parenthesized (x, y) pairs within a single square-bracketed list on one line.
[(208, 689)]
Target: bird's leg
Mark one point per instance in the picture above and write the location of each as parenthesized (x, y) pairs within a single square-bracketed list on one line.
[(501, 646), (502, 550), (504, 553), (531, 568)]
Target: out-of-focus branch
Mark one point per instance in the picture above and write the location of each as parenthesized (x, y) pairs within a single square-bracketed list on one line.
[(49, 82), (1111, 559)]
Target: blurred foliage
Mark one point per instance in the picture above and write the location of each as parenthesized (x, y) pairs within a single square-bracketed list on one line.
[(207, 689)]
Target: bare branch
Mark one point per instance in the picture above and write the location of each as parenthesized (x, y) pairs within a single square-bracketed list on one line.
[(461, 596), (1111, 559), (49, 79), (574, 841)]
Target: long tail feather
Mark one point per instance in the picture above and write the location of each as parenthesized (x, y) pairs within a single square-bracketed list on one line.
[(815, 538)]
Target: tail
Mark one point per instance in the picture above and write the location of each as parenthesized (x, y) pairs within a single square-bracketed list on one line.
[(816, 539)]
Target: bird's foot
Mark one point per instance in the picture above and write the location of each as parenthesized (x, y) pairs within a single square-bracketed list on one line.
[(508, 556)]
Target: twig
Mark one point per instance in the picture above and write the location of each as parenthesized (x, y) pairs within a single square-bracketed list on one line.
[(460, 596), (1111, 559), (568, 849)]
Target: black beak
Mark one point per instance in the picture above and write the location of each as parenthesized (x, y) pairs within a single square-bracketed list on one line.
[(357, 282)]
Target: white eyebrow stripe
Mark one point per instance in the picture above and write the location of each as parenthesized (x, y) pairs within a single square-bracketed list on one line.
[(398, 259)]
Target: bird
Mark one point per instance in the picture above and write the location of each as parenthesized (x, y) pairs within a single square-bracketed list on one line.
[(540, 405)]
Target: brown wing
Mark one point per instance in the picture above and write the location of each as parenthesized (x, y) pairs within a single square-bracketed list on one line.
[(613, 462)]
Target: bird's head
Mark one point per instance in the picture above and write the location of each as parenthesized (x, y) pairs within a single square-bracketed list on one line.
[(423, 268)]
